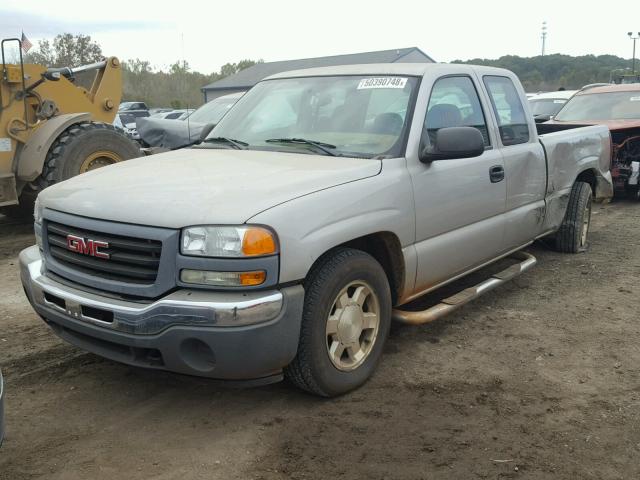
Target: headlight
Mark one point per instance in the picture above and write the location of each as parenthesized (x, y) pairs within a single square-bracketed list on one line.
[(244, 241)]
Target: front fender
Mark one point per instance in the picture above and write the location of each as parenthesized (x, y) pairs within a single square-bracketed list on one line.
[(34, 152), (310, 225)]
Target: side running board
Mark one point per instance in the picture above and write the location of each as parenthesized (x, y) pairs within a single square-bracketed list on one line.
[(448, 305)]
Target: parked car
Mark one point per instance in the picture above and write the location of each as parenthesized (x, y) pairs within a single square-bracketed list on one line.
[(545, 105), (320, 205), (153, 111), (617, 107), (186, 114), (169, 135), (128, 106), (170, 115), (127, 122)]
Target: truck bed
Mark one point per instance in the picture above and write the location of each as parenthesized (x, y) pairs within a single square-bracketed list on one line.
[(571, 149)]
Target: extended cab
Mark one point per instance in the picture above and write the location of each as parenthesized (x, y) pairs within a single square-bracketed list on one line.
[(324, 201)]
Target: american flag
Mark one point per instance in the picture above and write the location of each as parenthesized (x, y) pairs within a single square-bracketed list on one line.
[(26, 44)]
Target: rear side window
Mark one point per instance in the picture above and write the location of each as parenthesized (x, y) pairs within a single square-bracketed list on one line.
[(509, 111), (454, 102)]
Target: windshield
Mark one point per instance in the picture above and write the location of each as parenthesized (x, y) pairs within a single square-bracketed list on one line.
[(547, 106), (358, 116), (213, 111), (602, 106)]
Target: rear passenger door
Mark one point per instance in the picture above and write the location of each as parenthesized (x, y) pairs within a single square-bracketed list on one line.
[(459, 206), (524, 162)]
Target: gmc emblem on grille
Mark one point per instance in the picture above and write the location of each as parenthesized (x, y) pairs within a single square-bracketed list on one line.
[(87, 246)]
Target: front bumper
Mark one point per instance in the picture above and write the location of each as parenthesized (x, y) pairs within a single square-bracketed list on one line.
[(223, 335)]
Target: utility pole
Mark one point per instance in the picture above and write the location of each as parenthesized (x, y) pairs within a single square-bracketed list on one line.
[(544, 36), (633, 70)]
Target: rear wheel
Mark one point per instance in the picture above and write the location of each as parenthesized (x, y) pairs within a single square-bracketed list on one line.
[(346, 319), (572, 236)]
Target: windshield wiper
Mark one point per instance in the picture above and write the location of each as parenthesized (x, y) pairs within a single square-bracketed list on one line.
[(323, 147), (237, 144)]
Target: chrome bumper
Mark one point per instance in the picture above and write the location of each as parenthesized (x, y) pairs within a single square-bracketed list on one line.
[(185, 307)]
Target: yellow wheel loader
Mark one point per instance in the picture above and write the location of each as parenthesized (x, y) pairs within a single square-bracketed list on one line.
[(52, 129)]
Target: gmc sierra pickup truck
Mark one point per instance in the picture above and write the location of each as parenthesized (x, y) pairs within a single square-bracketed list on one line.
[(325, 200)]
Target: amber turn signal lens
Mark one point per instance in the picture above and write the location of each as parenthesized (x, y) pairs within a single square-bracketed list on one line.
[(258, 241), (252, 278)]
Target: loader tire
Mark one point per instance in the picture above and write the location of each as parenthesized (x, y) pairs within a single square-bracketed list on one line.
[(80, 148), (572, 235)]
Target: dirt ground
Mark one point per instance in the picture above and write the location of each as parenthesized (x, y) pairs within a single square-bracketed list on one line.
[(538, 379)]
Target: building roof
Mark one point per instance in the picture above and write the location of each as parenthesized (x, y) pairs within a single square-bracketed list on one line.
[(248, 77)]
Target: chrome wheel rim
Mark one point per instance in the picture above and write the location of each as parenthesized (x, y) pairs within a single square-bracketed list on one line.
[(585, 225), (352, 325)]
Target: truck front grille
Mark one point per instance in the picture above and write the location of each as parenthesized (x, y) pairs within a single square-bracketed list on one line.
[(131, 260)]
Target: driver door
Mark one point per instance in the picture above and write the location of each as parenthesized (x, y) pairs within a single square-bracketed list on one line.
[(460, 203)]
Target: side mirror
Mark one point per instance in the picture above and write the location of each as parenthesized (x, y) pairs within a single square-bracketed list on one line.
[(452, 143), (206, 130)]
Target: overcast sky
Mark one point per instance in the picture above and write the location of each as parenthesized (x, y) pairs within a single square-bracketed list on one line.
[(209, 34)]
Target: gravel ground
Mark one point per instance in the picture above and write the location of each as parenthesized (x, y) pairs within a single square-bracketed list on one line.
[(538, 379)]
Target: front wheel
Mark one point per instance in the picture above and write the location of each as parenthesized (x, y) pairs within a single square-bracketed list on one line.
[(346, 320), (573, 233)]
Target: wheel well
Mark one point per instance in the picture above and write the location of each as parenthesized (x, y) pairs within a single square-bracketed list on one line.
[(589, 177), (386, 249)]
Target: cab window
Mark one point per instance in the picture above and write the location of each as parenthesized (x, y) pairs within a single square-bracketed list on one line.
[(507, 106), (454, 102)]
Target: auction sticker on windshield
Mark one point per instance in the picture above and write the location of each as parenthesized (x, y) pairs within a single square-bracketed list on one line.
[(382, 82)]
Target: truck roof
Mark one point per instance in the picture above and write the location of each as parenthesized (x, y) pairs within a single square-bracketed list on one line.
[(409, 69)]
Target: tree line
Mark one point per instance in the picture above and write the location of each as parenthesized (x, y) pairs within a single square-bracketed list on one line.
[(551, 72), (177, 86)]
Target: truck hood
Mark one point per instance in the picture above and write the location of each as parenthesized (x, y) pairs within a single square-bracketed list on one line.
[(201, 186)]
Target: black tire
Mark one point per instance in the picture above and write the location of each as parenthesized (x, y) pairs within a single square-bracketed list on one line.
[(66, 156), (571, 236), (312, 368)]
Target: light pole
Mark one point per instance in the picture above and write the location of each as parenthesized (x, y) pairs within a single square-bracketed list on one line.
[(544, 36), (633, 70)]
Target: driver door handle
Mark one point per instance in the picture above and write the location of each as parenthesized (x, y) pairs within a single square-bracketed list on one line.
[(496, 173)]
